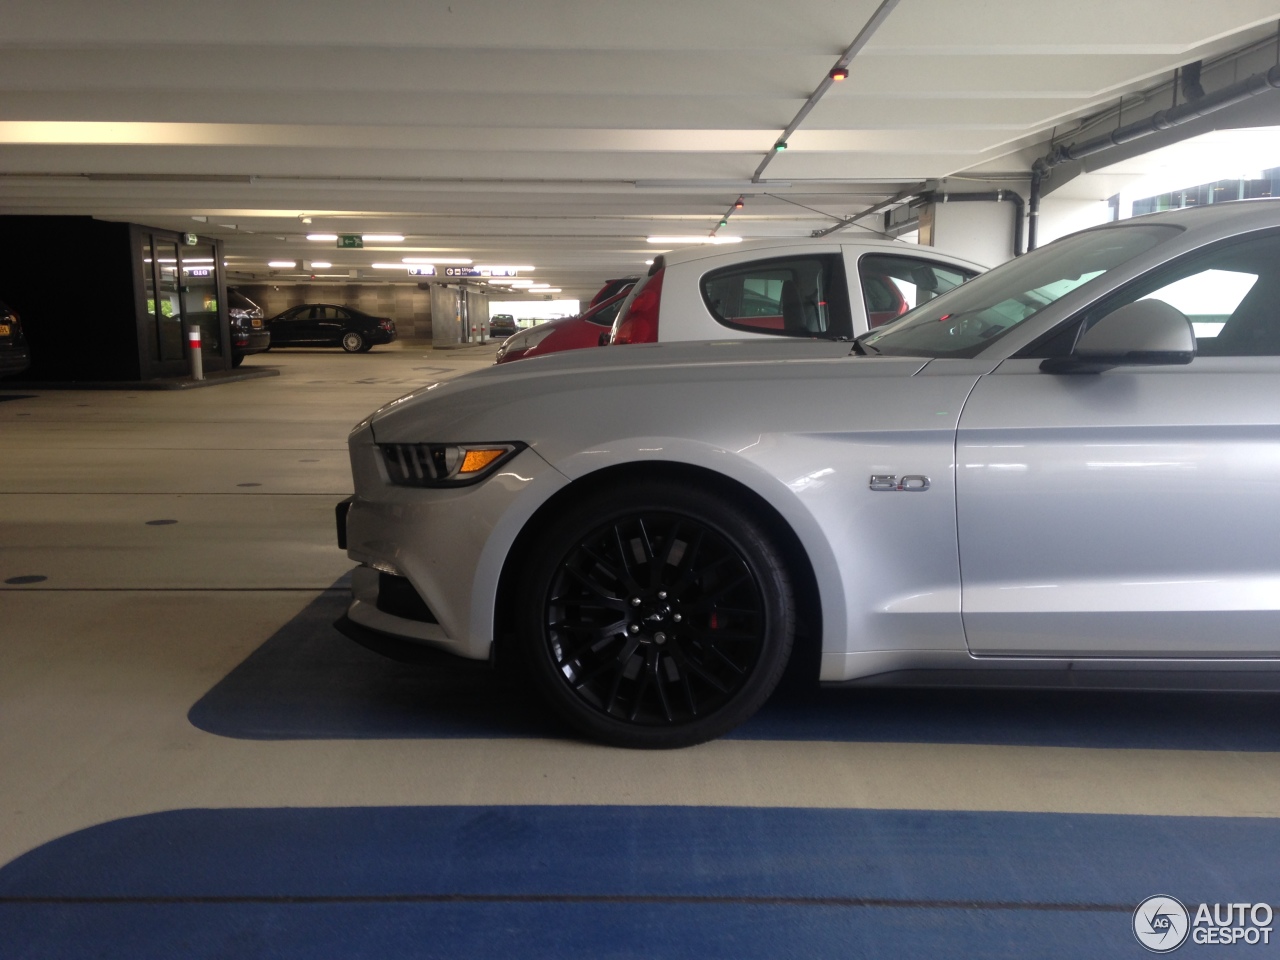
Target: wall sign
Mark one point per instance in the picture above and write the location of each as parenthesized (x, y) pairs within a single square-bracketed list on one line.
[(350, 241), (479, 272)]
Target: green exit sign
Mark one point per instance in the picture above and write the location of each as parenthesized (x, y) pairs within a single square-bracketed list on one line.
[(350, 241)]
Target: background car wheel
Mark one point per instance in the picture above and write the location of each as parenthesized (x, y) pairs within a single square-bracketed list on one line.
[(237, 360), (352, 342), (366, 348), (656, 616)]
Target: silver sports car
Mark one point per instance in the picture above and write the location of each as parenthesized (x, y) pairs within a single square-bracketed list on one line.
[(1069, 466)]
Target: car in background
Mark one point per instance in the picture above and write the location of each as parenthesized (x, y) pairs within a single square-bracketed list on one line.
[(821, 289), (612, 288), (502, 325), (1065, 471), (589, 329), (15, 354), (249, 334), (330, 325)]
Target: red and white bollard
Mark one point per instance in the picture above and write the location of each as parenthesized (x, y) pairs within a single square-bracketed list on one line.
[(197, 357)]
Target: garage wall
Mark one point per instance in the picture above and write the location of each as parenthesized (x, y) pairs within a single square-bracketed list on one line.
[(408, 306)]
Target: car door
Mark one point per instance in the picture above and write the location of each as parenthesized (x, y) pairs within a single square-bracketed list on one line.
[(289, 328), (1133, 512), (330, 322)]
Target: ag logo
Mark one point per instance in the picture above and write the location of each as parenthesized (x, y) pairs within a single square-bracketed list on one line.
[(1161, 924)]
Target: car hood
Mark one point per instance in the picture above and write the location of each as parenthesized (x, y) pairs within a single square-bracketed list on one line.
[(499, 401), (523, 339)]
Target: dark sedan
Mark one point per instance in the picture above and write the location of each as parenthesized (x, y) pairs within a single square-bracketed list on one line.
[(15, 355), (330, 325)]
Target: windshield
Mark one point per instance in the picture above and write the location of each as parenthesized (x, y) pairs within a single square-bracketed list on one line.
[(968, 319)]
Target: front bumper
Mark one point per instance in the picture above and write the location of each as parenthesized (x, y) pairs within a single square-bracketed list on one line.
[(450, 544)]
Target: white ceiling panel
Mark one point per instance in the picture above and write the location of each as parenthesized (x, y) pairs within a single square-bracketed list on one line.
[(549, 132)]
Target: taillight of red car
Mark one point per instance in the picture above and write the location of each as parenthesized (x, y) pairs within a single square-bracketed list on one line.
[(640, 325)]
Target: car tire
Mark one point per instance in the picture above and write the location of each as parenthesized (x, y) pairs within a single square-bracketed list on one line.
[(237, 359), (366, 348), (656, 615), (352, 342)]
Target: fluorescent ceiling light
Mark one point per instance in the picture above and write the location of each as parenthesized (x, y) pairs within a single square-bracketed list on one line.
[(520, 283), (282, 264), (461, 260), (539, 286), (677, 240), (320, 265), (330, 237), (648, 263), (382, 238)]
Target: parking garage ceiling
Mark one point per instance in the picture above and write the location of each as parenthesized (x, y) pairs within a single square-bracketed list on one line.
[(554, 134)]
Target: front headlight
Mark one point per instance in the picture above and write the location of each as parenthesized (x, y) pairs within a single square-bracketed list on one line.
[(444, 464)]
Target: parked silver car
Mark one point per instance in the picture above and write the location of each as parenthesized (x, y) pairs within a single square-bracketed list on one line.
[(1068, 465)]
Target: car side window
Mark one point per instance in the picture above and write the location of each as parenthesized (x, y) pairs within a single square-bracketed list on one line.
[(1231, 295), (892, 285), (339, 313), (324, 313), (786, 296)]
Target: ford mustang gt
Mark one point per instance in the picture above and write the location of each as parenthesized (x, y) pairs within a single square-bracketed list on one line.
[(1067, 467)]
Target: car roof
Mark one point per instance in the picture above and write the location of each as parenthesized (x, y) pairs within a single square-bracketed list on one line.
[(784, 245)]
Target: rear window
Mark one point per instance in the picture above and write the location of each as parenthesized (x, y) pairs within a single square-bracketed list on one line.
[(802, 296), (605, 316)]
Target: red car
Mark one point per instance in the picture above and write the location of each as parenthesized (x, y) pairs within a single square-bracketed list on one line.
[(567, 333)]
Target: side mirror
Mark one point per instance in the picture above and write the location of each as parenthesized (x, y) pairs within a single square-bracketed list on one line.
[(603, 340), (1142, 333)]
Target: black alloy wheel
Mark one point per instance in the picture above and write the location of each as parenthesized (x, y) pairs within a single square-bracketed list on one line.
[(352, 342), (657, 616)]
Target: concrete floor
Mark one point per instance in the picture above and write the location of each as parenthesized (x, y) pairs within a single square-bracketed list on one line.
[(135, 621)]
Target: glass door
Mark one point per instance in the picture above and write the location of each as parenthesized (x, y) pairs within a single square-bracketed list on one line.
[(163, 299), (199, 290)]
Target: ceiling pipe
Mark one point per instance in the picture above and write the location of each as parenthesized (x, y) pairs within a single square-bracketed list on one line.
[(1160, 120), (860, 41)]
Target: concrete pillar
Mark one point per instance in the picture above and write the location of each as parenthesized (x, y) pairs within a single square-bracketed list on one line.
[(446, 316)]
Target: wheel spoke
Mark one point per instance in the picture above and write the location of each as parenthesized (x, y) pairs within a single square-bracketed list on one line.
[(723, 658), (623, 578), (711, 598), (688, 568), (594, 587), (631, 583), (646, 674), (657, 569), (706, 676), (662, 693), (645, 541), (618, 663)]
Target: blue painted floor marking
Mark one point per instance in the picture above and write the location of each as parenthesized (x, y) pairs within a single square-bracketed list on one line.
[(654, 882), (309, 682)]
